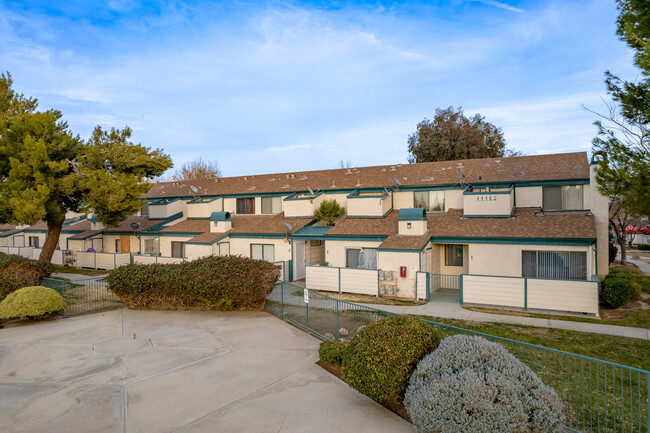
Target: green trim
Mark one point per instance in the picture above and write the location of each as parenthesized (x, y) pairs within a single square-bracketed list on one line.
[(207, 243), (356, 192), (257, 235), (197, 218), (293, 197), (460, 291), (163, 201), (371, 216), (412, 214), (172, 234), (34, 231), (170, 218), (512, 212), (397, 250), (220, 216), (465, 192), (345, 238), (203, 200), (518, 241)]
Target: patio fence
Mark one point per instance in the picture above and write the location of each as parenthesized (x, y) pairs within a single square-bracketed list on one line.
[(598, 396), (86, 295)]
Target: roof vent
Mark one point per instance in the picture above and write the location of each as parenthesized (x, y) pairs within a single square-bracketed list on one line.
[(521, 174), (245, 178), (428, 179), (303, 177), (284, 186), (272, 179), (293, 176), (499, 169), (521, 164), (251, 188), (358, 183), (383, 169), (286, 176), (333, 186), (577, 166)]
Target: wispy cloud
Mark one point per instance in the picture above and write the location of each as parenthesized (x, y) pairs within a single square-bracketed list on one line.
[(500, 5)]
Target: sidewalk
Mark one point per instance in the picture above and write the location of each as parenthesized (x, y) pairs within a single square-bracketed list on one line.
[(447, 310)]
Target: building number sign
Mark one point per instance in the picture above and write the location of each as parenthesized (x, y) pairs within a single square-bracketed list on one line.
[(486, 198)]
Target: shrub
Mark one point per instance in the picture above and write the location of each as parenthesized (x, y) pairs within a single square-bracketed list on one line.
[(616, 291), (211, 282), (328, 212), (17, 272), (381, 357), (472, 385), (612, 252), (332, 351), (644, 247), (31, 302)]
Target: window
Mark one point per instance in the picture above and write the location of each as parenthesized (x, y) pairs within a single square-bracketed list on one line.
[(316, 243), (150, 247), (554, 265), (178, 249), (263, 252), (271, 204), (432, 201), (33, 241), (361, 258), (117, 245), (569, 197), (246, 205), (453, 255)]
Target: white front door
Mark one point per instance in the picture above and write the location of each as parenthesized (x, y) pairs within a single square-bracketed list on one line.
[(299, 259)]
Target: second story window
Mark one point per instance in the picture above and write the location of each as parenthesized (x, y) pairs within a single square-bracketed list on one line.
[(432, 201), (271, 204), (569, 197), (246, 205)]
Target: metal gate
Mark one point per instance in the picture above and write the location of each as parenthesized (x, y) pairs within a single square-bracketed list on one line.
[(86, 295), (444, 288)]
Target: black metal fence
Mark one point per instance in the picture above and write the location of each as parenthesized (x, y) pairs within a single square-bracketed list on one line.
[(86, 295)]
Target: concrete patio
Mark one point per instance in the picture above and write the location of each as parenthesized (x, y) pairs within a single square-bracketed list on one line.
[(175, 371)]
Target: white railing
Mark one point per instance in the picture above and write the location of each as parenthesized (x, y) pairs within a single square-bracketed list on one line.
[(148, 260), (57, 256), (106, 261), (576, 296), (342, 280), (18, 251)]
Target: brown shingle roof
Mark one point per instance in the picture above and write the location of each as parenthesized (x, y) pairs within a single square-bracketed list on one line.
[(189, 226), (521, 168), (4, 227), (79, 226), (524, 224), (266, 224), (366, 226), (125, 226), (40, 225), (401, 242), (9, 233), (207, 238), (85, 235)]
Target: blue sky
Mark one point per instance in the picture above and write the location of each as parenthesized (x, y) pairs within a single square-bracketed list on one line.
[(264, 87)]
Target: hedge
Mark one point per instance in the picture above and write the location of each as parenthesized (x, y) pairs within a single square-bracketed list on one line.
[(332, 351), (381, 357), (644, 247), (17, 272), (229, 282), (616, 291), (31, 302)]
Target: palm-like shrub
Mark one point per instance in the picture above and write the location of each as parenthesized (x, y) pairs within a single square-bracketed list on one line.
[(328, 212), (472, 385), (31, 302)]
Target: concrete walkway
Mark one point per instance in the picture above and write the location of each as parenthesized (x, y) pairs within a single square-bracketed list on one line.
[(448, 310), (175, 371)]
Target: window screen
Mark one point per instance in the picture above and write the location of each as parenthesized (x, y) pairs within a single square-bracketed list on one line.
[(178, 249), (271, 204), (263, 252), (246, 205), (554, 265), (568, 197), (453, 255), (432, 201)]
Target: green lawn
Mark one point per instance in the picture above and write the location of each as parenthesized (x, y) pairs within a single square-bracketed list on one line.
[(621, 350), (68, 270)]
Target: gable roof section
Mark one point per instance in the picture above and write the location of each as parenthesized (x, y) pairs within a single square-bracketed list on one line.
[(566, 166), (125, 226), (189, 226), (266, 224), (402, 242)]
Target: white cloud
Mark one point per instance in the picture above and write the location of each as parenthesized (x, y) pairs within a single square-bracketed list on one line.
[(500, 5)]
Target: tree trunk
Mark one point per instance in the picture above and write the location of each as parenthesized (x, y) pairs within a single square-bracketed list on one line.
[(52, 240), (620, 237)]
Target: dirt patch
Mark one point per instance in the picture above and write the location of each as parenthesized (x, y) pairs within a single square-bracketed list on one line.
[(366, 299), (394, 406), (641, 304), (542, 332)]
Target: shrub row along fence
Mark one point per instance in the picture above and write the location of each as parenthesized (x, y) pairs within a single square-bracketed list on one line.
[(598, 396), (86, 295)]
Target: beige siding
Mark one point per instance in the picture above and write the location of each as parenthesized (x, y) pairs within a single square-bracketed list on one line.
[(300, 208), (360, 281), (366, 206), (109, 244), (204, 209), (439, 262), (599, 207), (166, 210), (453, 199), (418, 228), (487, 204), (322, 278), (313, 253), (242, 247), (421, 284), (166, 243), (193, 252), (230, 205), (506, 292), (574, 296), (342, 199), (529, 196), (402, 199)]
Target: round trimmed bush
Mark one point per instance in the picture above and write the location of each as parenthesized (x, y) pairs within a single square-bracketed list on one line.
[(381, 357), (31, 302), (17, 272), (332, 351), (472, 385), (615, 291)]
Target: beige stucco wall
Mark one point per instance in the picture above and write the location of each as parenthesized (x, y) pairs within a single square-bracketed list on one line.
[(301, 208), (505, 260), (453, 199), (313, 253), (242, 247), (391, 261), (418, 228), (335, 254), (366, 206), (203, 210), (487, 204), (166, 244), (402, 199), (575, 296), (600, 208), (109, 243), (193, 251), (230, 205), (438, 257), (220, 226), (342, 199), (529, 196), (166, 210)]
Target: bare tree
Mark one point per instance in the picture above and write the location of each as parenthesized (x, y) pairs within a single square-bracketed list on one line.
[(197, 169), (344, 164)]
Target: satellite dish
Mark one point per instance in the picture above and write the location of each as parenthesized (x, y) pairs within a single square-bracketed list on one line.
[(311, 192), (75, 219), (135, 226), (194, 189), (289, 226), (386, 193), (462, 172), (397, 182)]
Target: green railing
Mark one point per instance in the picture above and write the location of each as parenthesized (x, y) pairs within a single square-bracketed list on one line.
[(598, 396), (85, 295), (444, 288)]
